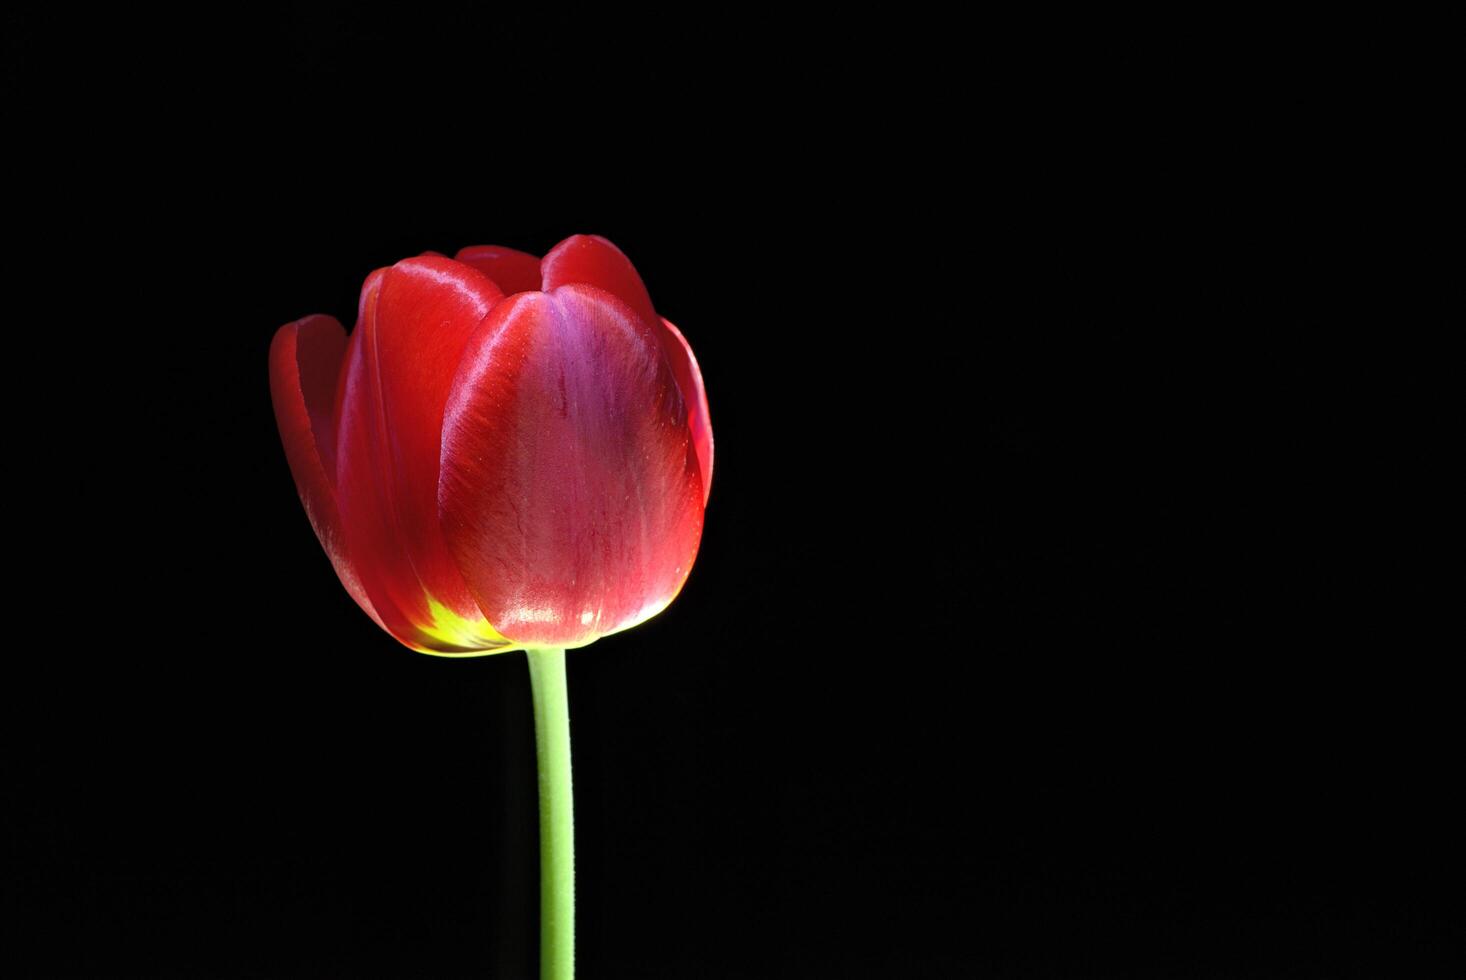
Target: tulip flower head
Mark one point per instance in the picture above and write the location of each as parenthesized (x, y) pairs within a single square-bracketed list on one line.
[(506, 453)]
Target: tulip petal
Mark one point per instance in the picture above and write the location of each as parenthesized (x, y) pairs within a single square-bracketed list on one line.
[(415, 320), (593, 260), (512, 271), (689, 379), (305, 358), (364, 519), (596, 262), (570, 490)]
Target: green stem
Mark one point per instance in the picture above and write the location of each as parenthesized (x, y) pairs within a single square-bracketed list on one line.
[(557, 820)]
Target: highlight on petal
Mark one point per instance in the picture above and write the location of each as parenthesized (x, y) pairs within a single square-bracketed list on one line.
[(570, 488), (512, 271), (415, 319), (305, 358)]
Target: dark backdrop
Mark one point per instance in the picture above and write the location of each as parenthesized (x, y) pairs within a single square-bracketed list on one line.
[(1020, 642)]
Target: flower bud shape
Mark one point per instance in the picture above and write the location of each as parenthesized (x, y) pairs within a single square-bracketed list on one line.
[(507, 452)]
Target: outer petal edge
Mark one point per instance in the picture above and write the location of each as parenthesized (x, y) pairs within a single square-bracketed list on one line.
[(303, 413), (689, 378)]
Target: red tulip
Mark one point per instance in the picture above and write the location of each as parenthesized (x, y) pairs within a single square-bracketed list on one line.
[(507, 452)]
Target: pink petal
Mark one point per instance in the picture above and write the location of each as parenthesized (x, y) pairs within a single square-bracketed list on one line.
[(593, 260), (570, 490)]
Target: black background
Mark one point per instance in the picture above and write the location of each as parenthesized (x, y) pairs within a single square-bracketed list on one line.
[(1025, 638)]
